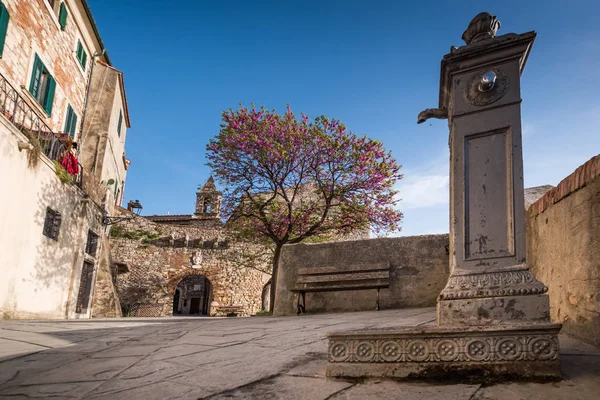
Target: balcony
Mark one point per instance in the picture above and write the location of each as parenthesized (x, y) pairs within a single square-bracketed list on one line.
[(14, 107)]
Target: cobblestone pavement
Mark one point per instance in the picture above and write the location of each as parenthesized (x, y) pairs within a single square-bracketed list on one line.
[(228, 358)]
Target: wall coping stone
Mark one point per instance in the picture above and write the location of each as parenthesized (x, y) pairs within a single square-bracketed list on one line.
[(582, 177)]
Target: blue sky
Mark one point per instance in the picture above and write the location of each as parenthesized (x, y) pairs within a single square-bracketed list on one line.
[(372, 64)]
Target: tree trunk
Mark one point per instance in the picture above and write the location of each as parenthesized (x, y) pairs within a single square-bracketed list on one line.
[(276, 256)]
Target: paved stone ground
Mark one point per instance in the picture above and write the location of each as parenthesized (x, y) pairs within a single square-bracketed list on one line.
[(229, 358)]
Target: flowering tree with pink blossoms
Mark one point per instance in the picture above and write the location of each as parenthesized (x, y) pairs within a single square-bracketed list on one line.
[(289, 179)]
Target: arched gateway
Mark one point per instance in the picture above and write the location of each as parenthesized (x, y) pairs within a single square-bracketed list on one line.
[(192, 296)]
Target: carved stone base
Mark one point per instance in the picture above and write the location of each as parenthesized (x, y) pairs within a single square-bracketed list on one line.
[(492, 284), (528, 351), (490, 311)]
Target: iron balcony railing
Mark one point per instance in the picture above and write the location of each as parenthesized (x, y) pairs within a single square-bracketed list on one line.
[(24, 118)]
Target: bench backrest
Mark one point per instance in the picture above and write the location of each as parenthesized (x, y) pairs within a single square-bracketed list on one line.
[(350, 277)]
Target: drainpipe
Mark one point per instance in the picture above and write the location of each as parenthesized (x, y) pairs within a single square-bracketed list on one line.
[(85, 104)]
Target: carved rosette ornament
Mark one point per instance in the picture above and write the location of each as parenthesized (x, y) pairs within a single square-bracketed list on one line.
[(496, 284), (477, 349)]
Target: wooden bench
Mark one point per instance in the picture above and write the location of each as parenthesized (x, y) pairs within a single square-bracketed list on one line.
[(340, 278), (230, 311)]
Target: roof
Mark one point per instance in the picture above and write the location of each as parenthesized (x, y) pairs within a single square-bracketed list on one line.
[(209, 186), (88, 12)]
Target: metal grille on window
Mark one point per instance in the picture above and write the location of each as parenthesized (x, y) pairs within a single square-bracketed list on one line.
[(52, 223), (92, 244)]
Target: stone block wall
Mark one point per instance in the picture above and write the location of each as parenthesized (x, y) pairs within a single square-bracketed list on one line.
[(153, 258), (563, 250), (419, 271), (105, 303)]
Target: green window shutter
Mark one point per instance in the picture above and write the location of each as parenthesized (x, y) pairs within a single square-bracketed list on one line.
[(120, 123), (49, 98), (116, 187), (81, 55), (36, 75), (71, 122), (73, 125), (83, 60), (3, 26), (62, 16)]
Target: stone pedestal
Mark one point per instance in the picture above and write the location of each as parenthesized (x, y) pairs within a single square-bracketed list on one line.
[(493, 315)]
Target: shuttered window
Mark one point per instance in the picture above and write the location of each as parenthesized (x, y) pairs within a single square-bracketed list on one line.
[(92, 244), (62, 16), (3, 26), (81, 55), (52, 224), (42, 85), (71, 122), (120, 123)]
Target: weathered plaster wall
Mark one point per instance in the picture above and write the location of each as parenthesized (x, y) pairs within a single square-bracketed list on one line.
[(39, 276), (563, 250), (419, 271), (159, 256), (103, 148)]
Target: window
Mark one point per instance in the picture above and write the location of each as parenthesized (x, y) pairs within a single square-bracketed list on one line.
[(52, 224), (81, 55), (120, 123), (62, 16), (71, 122), (51, 2), (92, 244), (3, 26), (42, 85)]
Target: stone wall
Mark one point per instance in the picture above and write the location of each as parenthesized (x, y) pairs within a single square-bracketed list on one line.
[(419, 271), (105, 302), (563, 250), (154, 258)]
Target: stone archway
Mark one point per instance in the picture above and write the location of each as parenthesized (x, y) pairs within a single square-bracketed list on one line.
[(192, 296)]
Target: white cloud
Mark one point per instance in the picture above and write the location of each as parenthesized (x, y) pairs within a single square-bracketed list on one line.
[(423, 187)]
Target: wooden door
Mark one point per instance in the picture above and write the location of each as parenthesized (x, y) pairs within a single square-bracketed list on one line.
[(195, 305)]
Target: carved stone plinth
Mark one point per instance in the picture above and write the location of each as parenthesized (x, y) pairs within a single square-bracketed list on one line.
[(510, 350), (493, 315), (493, 298)]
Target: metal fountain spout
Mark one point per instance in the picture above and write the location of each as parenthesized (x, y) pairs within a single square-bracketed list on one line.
[(441, 113)]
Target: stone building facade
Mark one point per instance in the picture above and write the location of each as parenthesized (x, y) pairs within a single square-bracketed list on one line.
[(181, 265), (51, 220)]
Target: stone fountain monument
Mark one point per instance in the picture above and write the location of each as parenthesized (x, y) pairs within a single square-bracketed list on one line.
[(493, 316)]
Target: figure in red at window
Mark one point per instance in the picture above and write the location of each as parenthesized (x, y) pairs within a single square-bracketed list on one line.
[(68, 161)]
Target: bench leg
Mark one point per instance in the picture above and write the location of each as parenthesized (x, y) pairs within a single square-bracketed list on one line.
[(301, 308), (304, 302), (377, 299)]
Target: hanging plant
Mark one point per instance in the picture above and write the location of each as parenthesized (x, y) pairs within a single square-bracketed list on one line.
[(34, 154), (62, 173)]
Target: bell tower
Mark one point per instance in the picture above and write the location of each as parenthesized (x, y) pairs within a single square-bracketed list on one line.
[(208, 201)]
